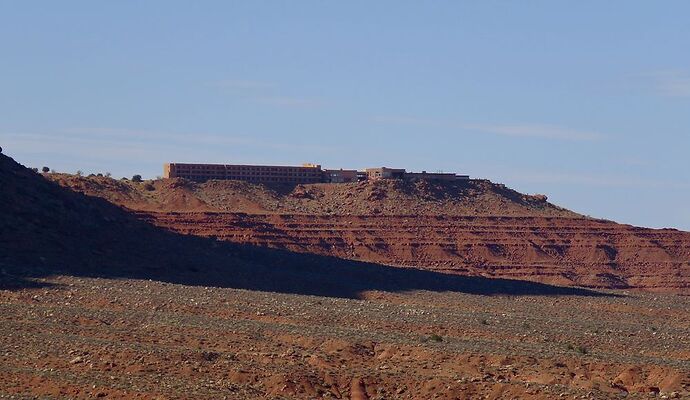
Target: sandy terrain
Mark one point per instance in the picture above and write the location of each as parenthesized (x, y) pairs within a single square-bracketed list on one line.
[(88, 338)]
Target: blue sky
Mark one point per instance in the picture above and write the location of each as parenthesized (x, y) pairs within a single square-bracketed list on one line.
[(587, 102)]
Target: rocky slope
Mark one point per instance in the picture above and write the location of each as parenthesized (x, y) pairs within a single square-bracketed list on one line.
[(46, 229), (470, 228), (563, 251), (386, 197)]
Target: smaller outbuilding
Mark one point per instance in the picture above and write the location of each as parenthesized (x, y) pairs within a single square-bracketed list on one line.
[(340, 175), (385, 173)]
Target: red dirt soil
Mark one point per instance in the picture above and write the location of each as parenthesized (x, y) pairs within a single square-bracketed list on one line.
[(90, 338)]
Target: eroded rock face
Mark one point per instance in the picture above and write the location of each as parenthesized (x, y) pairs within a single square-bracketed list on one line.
[(472, 228), (566, 251)]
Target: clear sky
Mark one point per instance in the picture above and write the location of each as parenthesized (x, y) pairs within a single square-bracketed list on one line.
[(587, 102)]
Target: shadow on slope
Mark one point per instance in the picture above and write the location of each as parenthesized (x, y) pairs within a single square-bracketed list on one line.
[(46, 229)]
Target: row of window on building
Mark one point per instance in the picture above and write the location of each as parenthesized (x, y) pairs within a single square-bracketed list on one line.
[(307, 173)]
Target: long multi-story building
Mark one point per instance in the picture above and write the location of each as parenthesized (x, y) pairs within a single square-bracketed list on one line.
[(307, 173)]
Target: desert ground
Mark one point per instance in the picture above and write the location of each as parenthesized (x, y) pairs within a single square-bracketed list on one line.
[(170, 289), (70, 337)]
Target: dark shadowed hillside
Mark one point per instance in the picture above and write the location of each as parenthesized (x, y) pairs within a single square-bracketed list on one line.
[(475, 228), (46, 229)]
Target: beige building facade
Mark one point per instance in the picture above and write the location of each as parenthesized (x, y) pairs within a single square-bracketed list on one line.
[(307, 173), (385, 173), (311, 173), (340, 175)]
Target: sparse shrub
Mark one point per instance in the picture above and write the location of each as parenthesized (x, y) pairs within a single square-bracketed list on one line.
[(99, 175), (136, 178), (435, 338), (580, 349), (485, 322), (210, 356), (108, 174), (45, 170), (148, 186), (540, 197), (80, 173), (35, 170)]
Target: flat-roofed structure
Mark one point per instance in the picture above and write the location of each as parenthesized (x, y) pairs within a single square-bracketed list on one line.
[(385, 173), (308, 173), (435, 176), (340, 175)]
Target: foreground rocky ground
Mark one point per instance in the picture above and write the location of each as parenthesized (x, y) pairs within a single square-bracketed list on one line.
[(123, 338)]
